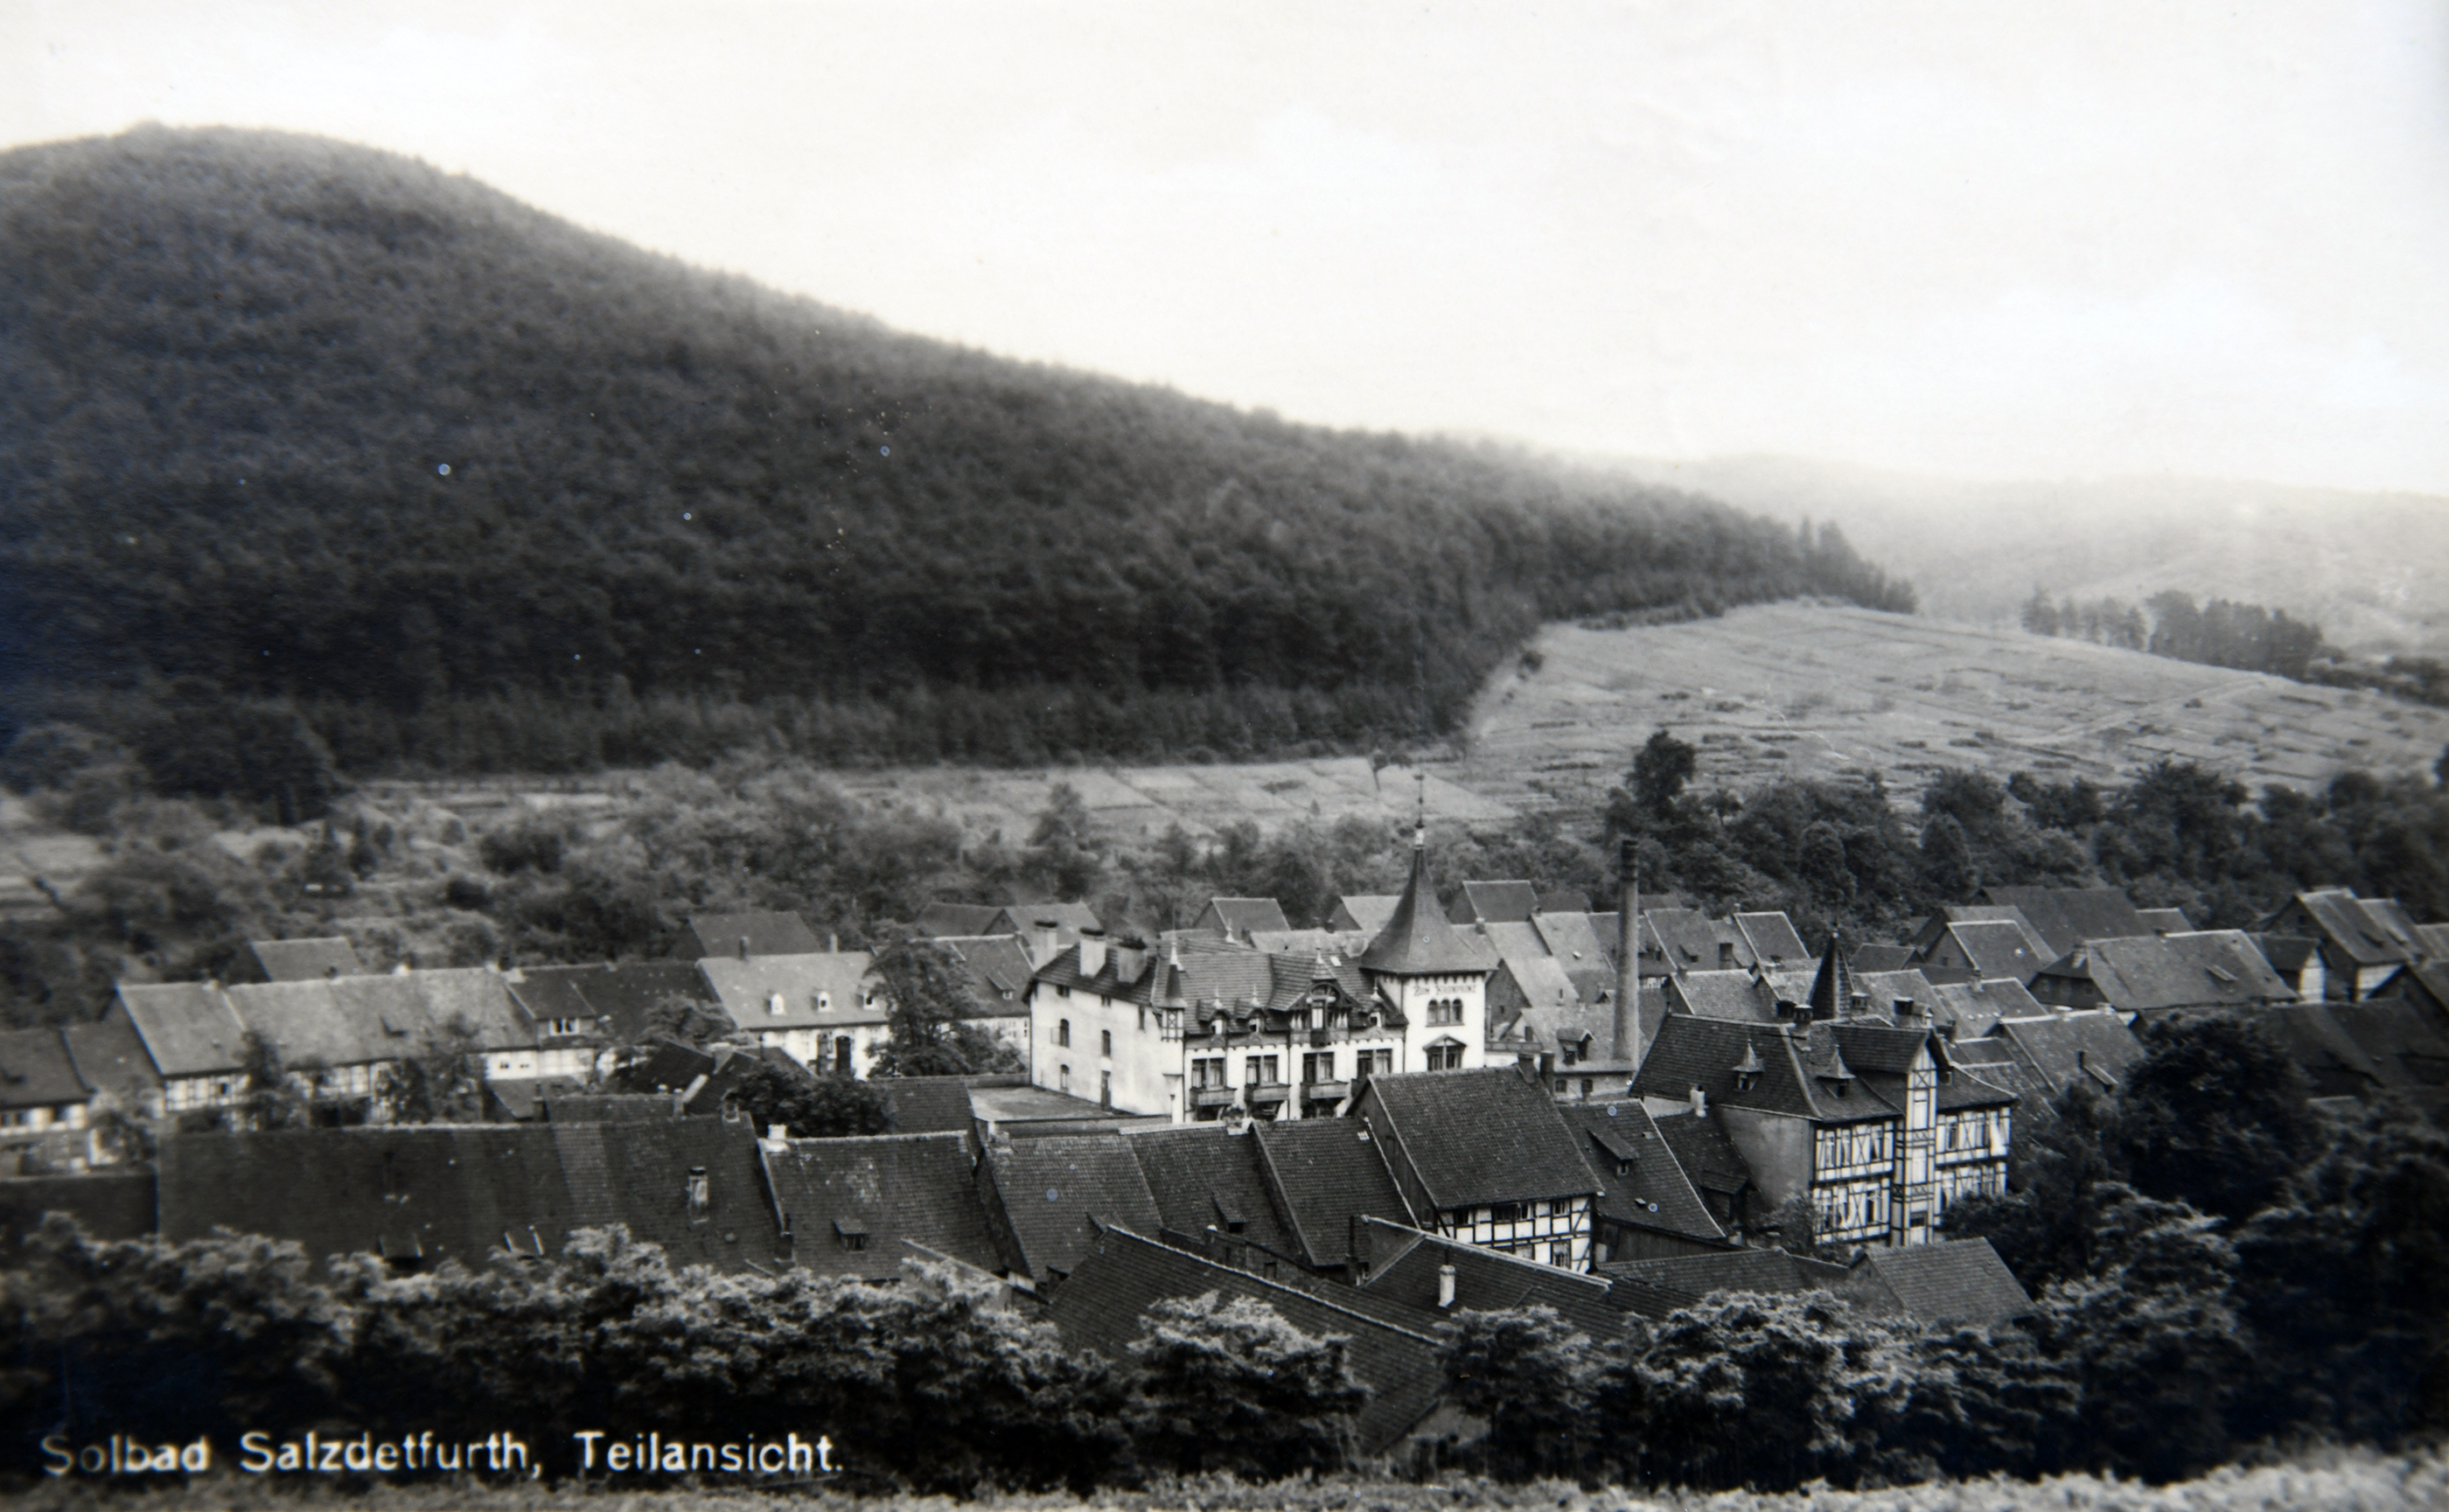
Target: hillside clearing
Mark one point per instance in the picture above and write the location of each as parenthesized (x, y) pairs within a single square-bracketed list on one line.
[(1820, 691)]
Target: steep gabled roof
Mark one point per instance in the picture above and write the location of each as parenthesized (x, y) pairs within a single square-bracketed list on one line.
[(1205, 1175), (1998, 950), (753, 933), (478, 997), (1323, 1173), (1687, 938), (927, 1104), (1417, 940), (1475, 1137), (850, 1204), (2150, 973), (1238, 916), (1709, 1158), (1954, 1281), (110, 1059), (1729, 994), (2406, 1045), (1406, 1265), (305, 1022), (1493, 903), (1366, 911), (998, 968), (2066, 917), (1574, 941), (1116, 1281), (1695, 1052), (2167, 921), (304, 960), (1655, 1193), (2055, 1048), (638, 1174), (627, 994), (2332, 1060), (1973, 1008), (823, 990), (1832, 986), (37, 1071), (1057, 1190), (1539, 975), (552, 993), (189, 1027), (2359, 932), (1771, 938), (1876, 957)]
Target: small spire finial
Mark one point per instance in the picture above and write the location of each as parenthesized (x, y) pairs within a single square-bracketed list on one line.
[(1420, 825)]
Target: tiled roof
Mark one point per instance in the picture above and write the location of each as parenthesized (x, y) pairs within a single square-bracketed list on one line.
[(1143, 986), (2332, 1060), (1101, 1305), (671, 1066), (439, 1191), (2066, 917), (873, 1193), (1832, 986), (2362, 934), (550, 993), (2057, 1048), (2432, 940), (115, 1204), (2407, 1044), (305, 960), (1954, 1281), (1655, 1287), (1417, 940), (518, 1099), (1995, 1059), (1575, 942), (1874, 957), (1493, 903), (1655, 1194), (1366, 911), (1474, 1137), (1973, 1007), (189, 1027), (940, 920), (1687, 937), (1242, 915), (1405, 1263), (823, 990), (1998, 950), (1731, 994), (2148, 973), (1323, 1172), (1539, 975), (305, 1022), (1309, 942), (638, 1174), (627, 995), (928, 1104), (1709, 1158), (1771, 938), (110, 1058), (2167, 921), (1801, 1075), (1562, 900), (998, 970), (2288, 953), (1053, 1187), (764, 932), (1207, 1175), (37, 1070)]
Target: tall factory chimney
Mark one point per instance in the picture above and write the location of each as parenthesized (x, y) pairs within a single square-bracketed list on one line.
[(1628, 956)]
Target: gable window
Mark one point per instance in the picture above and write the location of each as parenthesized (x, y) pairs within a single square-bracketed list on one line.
[(1445, 1011), (1446, 1057)]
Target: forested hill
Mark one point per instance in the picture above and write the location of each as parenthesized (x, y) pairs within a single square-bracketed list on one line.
[(283, 419)]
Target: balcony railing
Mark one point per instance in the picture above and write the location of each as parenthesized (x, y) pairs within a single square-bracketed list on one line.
[(1210, 1096), (1326, 1091), (1259, 1092)]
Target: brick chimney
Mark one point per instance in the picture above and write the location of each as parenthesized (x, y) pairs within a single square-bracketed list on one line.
[(1092, 951), (1628, 956)]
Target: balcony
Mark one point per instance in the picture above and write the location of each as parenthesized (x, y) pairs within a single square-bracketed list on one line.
[(1321, 1036), (1211, 1097), (1261, 1092), (1325, 1091)]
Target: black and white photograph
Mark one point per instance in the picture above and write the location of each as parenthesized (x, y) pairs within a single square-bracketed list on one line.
[(1237, 757)]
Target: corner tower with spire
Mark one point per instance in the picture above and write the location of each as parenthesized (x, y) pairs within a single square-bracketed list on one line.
[(1431, 977)]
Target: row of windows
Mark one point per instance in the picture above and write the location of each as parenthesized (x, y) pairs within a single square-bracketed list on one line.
[(1445, 1011), (1855, 1144)]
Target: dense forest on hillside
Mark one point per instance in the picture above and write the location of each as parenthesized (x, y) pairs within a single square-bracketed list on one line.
[(314, 426)]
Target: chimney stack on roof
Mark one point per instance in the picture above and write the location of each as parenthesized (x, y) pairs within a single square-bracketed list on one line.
[(1092, 951), (1047, 934), (1445, 1287), (744, 947), (1627, 955)]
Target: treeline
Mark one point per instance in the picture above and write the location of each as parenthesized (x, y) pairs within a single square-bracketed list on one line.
[(2216, 1263), (473, 489), (1844, 854), (2243, 636)]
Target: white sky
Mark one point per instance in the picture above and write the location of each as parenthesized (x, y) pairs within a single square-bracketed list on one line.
[(2068, 240)]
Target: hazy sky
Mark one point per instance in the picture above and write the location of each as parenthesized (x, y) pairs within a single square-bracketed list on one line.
[(2065, 239)]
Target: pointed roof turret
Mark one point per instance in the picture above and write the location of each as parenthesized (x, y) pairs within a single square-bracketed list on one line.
[(1832, 990), (1417, 940)]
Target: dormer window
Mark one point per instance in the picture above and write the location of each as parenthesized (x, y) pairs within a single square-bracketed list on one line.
[(852, 1233), (701, 1193), (774, 1005), (824, 1001)]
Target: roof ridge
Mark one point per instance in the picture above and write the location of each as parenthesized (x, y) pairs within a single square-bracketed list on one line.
[(1273, 1285)]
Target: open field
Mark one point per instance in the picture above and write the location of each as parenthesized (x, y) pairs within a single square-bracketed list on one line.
[(1818, 691), (2323, 1481)]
